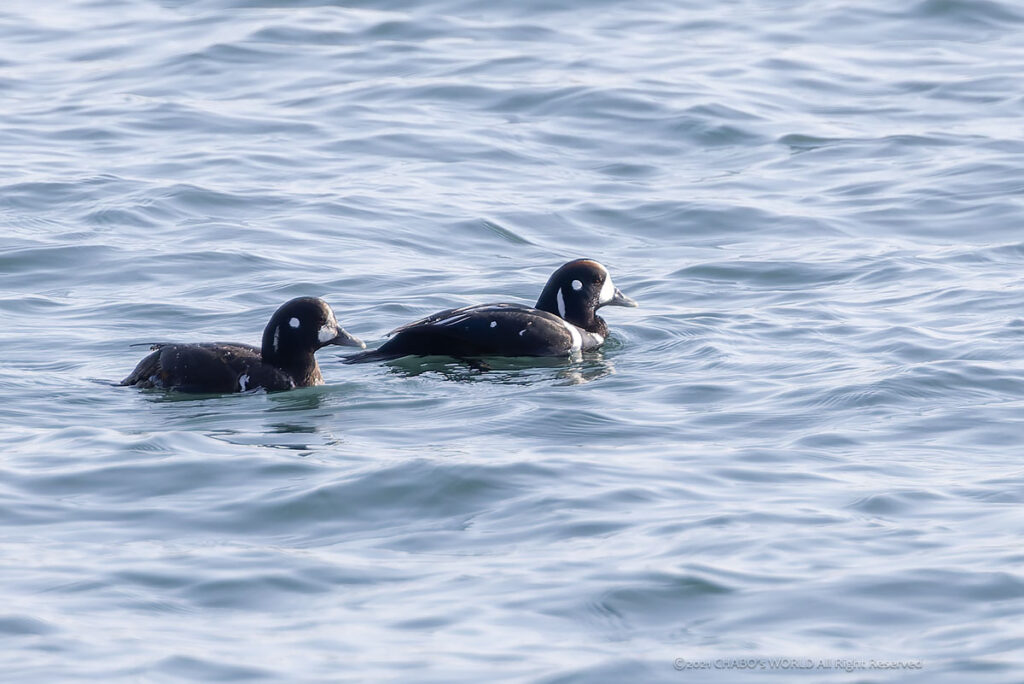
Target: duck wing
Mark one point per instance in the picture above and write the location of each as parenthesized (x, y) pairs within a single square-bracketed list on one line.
[(208, 368), (480, 330)]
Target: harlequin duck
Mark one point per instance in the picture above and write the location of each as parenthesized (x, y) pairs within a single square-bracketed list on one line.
[(563, 322), (285, 361)]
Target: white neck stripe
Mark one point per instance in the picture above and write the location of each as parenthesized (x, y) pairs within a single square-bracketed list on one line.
[(574, 333)]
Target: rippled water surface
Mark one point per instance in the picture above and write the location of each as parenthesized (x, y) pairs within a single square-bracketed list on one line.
[(805, 445)]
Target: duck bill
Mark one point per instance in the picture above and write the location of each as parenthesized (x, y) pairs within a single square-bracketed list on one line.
[(346, 339), (619, 299)]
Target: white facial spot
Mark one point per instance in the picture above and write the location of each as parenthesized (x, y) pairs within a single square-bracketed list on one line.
[(494, 324), (243, 380), (277, 336), (577, 285), (561, 303), (294, 322), (607, 290), (327, 332)]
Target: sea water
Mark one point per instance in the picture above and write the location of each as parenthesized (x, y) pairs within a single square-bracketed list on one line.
[(798, 460)]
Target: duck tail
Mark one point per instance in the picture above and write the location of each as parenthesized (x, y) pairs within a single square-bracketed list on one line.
[(372, 356)]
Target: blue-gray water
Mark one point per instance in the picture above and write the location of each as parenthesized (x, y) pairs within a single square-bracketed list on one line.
[(805, 444)]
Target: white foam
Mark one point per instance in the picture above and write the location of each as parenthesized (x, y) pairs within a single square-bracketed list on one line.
[(243, 380)]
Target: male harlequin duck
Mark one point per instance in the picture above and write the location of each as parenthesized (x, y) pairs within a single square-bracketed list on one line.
[(285, 361), (563, 322)]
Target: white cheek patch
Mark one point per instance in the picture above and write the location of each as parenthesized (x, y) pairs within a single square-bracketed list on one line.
[(294, 322), (561, 303), (577, 285), (607, 290), (327, 333)]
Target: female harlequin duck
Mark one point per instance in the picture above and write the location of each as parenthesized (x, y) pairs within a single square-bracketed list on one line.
[(563, 322), (285, 361)]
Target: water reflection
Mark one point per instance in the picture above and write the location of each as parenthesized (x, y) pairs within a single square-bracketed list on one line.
[(507, 370)]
